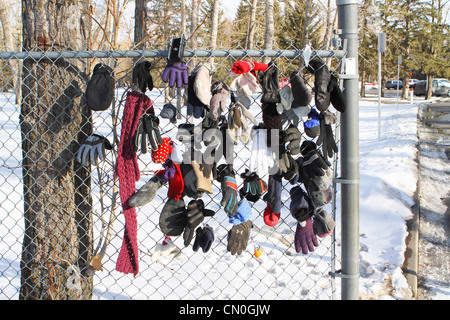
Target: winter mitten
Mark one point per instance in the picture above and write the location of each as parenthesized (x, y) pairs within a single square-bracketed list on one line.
[(142, 77), (226, 177), (286, 99), (261, 158), (172, 220), (169, 111), (269, 84), (253, 186), (176, 183), (244, 66), (195, 107), (100, 88), (273, 195), (161, 154), (300, 207), (167, 249), (312, 125), (202, 81), (146, 193), (293, 137), (238, 237), (204, 237), (323, 223), (243, 214), (148, 128), (270, 218), (175, 73), (93, 150), (217, 104), (322, 78), (195, 214), (305, 239), (337, 97), (302, 96)]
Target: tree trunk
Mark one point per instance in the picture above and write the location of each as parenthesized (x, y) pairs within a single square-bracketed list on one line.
[(250, 39), (140, 32), (270, 25), (54, 119), (215, 24), (429, 94)]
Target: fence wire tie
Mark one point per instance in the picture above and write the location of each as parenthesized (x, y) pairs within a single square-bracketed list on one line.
[(346, 181), (339, 274)]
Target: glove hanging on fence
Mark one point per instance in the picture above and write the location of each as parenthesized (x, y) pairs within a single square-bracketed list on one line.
[(302, 96), (305, 239), (100, 88), (286, 99), (253, 186), (269, 84), (245, 86), (204, 237), (324, 223), (261, 158), (228, 185), (162, 153), (172, 220), (93, 150), (337, 97), (326, 136), (175, 73), (167, 249), (169, 111), (287, 166), (313, 165), (190, 181), (244, 66), (238, 237), (147, 192), (244, 213), (273, 199), (195, 214), (293, 138), (322, 77), (148, 128), (142, 77), (300, 207), (217, 104), (319, 189)]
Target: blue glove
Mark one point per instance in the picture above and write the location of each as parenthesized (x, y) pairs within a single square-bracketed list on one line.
[(243, 214)]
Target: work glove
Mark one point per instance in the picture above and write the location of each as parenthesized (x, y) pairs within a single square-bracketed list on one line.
[(147, 192), (305, 239), (244, 213), (323, 224), (195, 214), (238, 237), (175, 74), (253, 186), (228, 185), (326, 136), (142, 77), (269, 84), (314, 165), (148, 128), (261, 158), (322, 77), (204, 237), (93, 150)]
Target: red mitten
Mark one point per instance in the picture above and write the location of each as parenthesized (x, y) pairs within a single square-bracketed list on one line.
[(271, 218), (244, 66), (176, 184), (162, 153)]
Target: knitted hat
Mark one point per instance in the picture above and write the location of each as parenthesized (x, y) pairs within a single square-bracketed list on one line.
[(162, 153), (169, 111)]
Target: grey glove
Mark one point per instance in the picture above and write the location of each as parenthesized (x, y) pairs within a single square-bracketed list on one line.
[(323, 223), (148, 128), (146, 193), (93, 149), (238, 237)]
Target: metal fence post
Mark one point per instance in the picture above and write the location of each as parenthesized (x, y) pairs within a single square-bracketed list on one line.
[(348, 25)]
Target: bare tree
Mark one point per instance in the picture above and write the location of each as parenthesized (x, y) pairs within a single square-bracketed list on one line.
[(250, 39), (270, 27), (53, 120)]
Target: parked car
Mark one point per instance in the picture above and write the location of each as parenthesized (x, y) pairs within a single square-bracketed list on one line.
[(441, 87), (392, 84)]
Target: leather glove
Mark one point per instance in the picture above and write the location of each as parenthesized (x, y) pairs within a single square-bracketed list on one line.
[(269, 84), (226, 177), (148, 128), (204, 237), (253, 186), (238, 237), (322, 78), (93, 149), (305, 239), (142, 77), (195, 214), (147, 192), (302, 96), (175, 73)]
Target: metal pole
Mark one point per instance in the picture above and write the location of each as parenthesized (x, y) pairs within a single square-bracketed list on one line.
[(379, 94), (348, 25), (399, 62)]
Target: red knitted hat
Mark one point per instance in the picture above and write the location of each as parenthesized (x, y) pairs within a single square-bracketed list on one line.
[(162, 153)]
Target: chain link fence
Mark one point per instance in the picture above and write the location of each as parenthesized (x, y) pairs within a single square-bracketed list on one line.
[(53, 121)]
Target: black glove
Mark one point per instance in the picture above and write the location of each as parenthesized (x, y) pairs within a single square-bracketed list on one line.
[(148, 127), (287, 166), (93, 149), (142, 77), (172, 220), (204, 238), (253, 186), (195, 214), (269, 84), (227, 178), (190, 181), (337, 97), (238, 237), (326, 137), (100, 88), (322, 77), (300, 92), (314, 165)]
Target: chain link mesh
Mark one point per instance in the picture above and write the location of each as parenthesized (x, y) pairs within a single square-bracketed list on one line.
[(280, 273)]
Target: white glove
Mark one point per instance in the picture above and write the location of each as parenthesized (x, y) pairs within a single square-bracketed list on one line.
[(167, 249), (93, 149), (261, 158)]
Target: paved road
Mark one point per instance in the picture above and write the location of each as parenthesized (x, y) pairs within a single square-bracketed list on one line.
[(434, 197)]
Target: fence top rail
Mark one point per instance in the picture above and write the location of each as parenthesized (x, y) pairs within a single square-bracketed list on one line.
[(164, 53)]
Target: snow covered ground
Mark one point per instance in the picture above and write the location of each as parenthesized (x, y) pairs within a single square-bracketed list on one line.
[(388, 178)]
